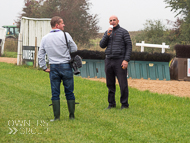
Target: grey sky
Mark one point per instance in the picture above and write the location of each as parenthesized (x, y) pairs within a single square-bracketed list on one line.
[(132, 14)]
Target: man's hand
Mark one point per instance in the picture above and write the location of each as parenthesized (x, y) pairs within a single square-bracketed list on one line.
[(109, 31), (47, 70), (124, 64)]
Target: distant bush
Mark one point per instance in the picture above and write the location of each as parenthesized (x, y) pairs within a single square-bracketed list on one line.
[(88, 54), (11, 45), (138, 56), (145, 56), (182, 51)]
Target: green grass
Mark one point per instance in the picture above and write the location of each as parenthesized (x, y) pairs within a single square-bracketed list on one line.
[(10, 54), (25, 97)]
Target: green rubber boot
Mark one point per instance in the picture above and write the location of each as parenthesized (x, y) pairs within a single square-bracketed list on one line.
[(56, 110), (71, 108)]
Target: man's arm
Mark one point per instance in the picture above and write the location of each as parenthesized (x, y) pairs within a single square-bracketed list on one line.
[(104, 41), (128, 49), (41, 56), (128, 46), (71, 43)]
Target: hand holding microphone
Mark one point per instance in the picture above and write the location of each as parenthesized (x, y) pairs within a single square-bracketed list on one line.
[(110, 30)]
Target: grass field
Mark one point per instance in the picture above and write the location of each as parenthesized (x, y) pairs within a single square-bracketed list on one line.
[(10, 54), (25, 113)]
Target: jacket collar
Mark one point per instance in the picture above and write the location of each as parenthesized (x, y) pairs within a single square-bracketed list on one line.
[(116, 27)]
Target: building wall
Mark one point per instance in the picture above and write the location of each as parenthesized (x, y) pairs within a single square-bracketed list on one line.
[(34, 27), (2, 37)]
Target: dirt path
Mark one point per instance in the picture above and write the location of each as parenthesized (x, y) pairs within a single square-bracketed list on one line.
[(8, 60), (178, 88)]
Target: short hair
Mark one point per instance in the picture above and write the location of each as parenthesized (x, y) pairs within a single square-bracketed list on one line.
[(55, 20)]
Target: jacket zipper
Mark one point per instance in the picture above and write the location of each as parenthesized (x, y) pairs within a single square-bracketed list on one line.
[(112, 41)]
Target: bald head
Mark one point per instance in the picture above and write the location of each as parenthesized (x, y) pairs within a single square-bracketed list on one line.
[(113, 20), (113, 16)]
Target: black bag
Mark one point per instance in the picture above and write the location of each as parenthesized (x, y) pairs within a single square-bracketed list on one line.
[(75, 62)]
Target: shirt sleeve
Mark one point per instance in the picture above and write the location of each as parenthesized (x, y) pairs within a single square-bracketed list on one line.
[(71, 43), (41, 56)]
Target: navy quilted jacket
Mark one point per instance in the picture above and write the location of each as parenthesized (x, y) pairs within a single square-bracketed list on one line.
[(118, 44)]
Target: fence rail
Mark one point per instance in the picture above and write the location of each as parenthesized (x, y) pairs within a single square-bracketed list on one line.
[(143, 44)]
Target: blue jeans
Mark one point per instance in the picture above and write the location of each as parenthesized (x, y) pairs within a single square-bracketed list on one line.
[(58, 73)]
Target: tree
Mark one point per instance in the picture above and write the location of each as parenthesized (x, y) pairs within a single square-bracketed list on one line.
[(174, 34), (182, 7), (75, 13), (179, 6), (31, 9), (153, 32)]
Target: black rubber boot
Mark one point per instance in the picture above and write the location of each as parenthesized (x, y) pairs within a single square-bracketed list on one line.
[(56, 110), (71, 108)]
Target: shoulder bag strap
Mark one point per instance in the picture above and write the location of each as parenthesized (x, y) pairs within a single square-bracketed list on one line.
[(67, 42)]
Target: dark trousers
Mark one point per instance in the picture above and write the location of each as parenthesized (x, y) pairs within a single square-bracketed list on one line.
[(113, 69)]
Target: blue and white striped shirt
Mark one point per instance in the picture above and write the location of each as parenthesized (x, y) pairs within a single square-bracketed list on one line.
[(54, 44)]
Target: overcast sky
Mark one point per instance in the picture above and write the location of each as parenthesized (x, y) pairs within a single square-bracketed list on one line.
[(132, 14)]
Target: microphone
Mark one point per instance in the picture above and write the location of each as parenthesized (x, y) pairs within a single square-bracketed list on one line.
[(111, 26)]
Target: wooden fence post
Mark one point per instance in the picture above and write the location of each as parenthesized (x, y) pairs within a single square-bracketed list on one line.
[(19, 51), (35, 55)]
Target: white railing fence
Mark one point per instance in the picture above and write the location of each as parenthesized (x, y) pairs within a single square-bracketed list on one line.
[(143, 44)]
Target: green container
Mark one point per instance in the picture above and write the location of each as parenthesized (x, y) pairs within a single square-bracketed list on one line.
[(136, 69), (149, 70), (92, 68), (29, 63)]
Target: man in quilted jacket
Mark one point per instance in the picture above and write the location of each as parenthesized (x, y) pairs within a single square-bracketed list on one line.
[(118, 46)]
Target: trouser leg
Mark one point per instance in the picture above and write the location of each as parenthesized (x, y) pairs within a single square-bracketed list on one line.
[(123, 83), (69, 87), (55, 81), (68, 83), (110, 81)]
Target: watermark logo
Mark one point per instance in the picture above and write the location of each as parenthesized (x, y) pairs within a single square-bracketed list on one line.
[(27, 127), (13, 130)]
